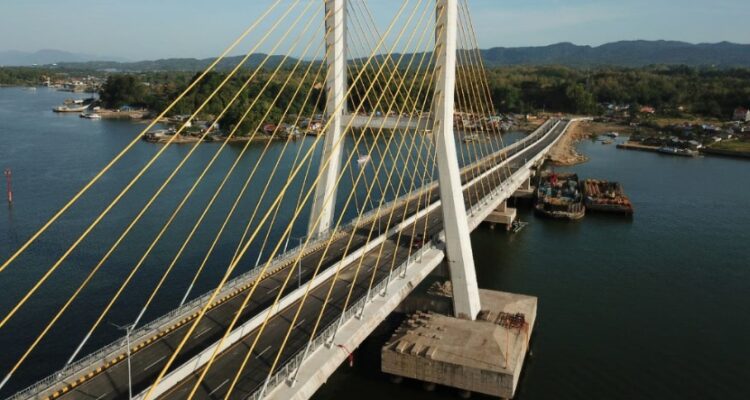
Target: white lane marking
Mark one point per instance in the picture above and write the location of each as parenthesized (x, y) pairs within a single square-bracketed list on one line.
[(299, 323), (154, 363), (264, 351), (274, 289), (218, 387), (199, 334), (102, 396)]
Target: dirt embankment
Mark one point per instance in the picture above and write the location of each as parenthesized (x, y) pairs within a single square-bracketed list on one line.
[(564, 153)]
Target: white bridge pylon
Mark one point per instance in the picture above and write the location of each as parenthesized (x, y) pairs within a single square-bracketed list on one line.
[(458, 243)]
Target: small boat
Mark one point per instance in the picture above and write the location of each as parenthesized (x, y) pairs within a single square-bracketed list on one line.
[(613, 135), (74, 105), (518, 226), (70, 108), (364, 159), (91, 116), (608, 141), (673, 151)]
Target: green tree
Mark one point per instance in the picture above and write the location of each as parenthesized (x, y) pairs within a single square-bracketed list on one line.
[(120, 90)]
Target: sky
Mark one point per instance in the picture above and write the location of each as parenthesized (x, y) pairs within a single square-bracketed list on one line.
[(151, 29)]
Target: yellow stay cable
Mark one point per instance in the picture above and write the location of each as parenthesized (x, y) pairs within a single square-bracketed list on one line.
[(476, 106), (153, 243), (298, 260), (127, 148), (391, 69), (330, 241), (276, 166), (236, 260), (428, 143), (381, 154), (408, 196), (247, 146), (405, 211), (465, 101), (228, 218), (90, 276), (309, 286), (462, 101), (101, 216), (239, 157), (464, 10)]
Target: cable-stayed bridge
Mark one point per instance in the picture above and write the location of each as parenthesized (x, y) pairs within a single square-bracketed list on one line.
[(404, 159)]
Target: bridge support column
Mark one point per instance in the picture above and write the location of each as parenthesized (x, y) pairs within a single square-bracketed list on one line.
[(336, 106), (460, 258), (502, 215), (525, 190)]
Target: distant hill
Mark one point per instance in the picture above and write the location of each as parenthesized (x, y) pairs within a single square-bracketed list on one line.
[(635, 53), (178, 64), (45, 57)]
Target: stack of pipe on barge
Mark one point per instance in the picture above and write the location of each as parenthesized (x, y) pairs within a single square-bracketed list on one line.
[(606, 196), (559, 196)]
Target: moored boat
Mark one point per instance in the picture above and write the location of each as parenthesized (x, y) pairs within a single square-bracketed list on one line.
[(558, 196), (606, 196), (70, 108), (673, 151)]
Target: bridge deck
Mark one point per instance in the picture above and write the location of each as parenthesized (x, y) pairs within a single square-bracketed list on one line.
[(147, 362)]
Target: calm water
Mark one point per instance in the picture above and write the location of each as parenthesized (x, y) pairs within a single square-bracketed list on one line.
[(656, 307)]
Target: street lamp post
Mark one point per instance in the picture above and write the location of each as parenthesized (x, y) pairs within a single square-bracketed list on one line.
[(128, 330)]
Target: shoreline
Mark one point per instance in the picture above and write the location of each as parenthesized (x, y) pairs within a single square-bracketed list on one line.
[(564, 153)]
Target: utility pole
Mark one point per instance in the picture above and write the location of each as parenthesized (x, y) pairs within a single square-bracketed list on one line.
[(459, 255), (322, 211)]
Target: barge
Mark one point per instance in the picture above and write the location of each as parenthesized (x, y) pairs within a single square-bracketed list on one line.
[(558, 196), (605, 196)]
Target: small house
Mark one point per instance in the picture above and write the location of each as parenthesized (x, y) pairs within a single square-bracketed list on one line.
[(741, 114)]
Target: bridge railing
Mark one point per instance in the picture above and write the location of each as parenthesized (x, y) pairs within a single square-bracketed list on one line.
[(116, 347), (287, 373)]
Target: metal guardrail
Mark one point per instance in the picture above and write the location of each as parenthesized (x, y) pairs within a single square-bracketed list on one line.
[(115, 348), (287, 373)]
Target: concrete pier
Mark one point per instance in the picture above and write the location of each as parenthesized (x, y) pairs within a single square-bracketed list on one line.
[(525, 191), (502, 215), (482, 356)]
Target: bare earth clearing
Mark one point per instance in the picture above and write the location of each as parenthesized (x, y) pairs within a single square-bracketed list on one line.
[(564, 153)]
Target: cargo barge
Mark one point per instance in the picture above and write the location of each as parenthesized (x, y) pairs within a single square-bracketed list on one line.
[(558, 196), (605, 196)]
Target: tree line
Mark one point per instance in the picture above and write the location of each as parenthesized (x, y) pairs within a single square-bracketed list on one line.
[(672, 90)]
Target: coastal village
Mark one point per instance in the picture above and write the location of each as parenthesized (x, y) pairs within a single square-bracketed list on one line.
[(645, 128)]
